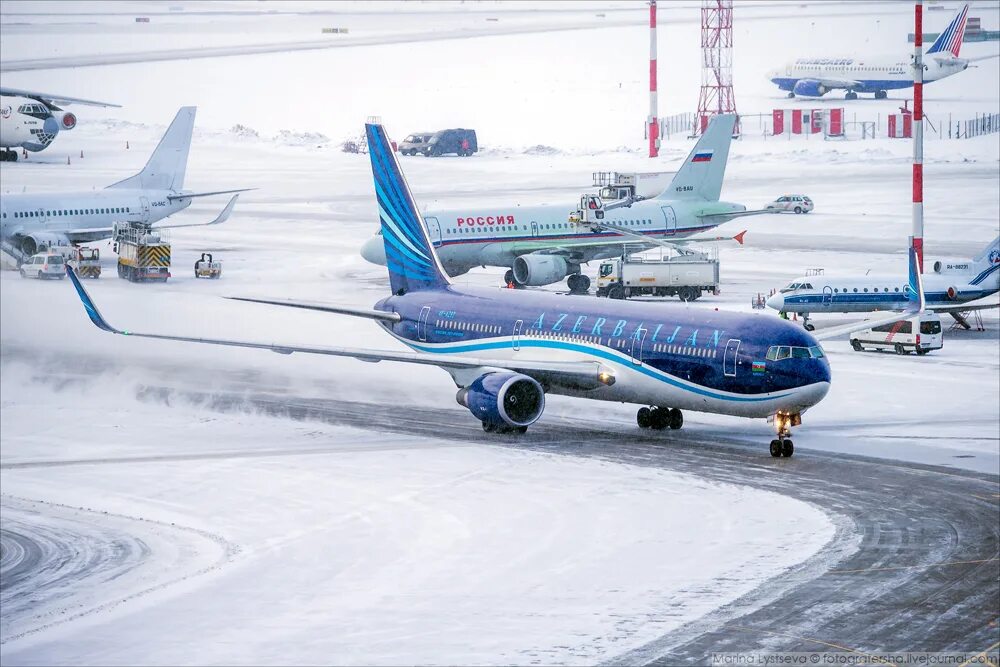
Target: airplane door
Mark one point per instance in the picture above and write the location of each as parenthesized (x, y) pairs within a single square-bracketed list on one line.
[(144, 208), (516, 340), (434, 229), (669, 219), (638, 339), (534, 228), (422, 323), (729, 360), (42, 216), (827, 295)]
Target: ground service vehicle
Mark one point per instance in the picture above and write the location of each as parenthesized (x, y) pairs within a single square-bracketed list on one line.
[(44, 265), (415, 143), (793, 203), (458, 140), (918, 334), (686, 276), (86, 261), (143, 254), (206, 268)]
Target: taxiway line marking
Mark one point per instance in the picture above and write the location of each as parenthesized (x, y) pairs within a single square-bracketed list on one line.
[(915, 567), (874, 658), (980, 655)]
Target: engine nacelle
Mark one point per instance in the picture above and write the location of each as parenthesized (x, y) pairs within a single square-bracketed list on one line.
[(66, 119), (809, 88), (508, 399), (538, 270), (33, 243)]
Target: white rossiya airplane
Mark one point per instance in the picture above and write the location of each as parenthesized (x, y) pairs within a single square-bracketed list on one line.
[(955, 287), (32, 221), (31, 120), (815, 77), (541, 245)]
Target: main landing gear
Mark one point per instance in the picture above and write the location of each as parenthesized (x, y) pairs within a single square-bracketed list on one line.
[(782, 445), (851, 95), (493, 427), (659, 418), (881, 94), (8, 156)]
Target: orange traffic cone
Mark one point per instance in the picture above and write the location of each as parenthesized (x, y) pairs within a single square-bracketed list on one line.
[(795, 317)]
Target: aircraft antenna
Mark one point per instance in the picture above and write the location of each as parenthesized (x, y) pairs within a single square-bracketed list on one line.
[(716, 95)]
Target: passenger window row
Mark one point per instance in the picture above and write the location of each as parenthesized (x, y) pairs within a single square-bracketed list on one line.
[(73, 211)]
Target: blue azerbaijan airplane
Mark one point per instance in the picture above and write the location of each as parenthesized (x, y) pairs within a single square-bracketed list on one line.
[(505, 349)]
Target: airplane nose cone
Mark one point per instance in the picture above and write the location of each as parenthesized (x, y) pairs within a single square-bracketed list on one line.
[(776, 301), (50, 126), (373, 250)]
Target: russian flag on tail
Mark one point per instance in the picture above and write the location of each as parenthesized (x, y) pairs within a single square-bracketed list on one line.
[(703, 156)]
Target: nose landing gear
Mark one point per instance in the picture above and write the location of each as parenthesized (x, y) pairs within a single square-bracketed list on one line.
[(783, 423), (658, 418)]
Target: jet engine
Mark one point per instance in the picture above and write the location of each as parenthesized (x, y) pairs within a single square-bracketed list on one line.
[(66, 119), (810, 88), (538, 270), (504, 399), (33, 243)]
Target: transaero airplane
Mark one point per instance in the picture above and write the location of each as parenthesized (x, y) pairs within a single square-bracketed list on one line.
[(34, 221), (31, 120), (955, 287), (541, 246), (507, 349), (814, 77)]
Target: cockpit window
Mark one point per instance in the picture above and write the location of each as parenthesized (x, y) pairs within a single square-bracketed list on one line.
[(781, 352), (791, 287)]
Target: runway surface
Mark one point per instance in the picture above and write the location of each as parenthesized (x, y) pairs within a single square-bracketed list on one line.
[(918, 547)]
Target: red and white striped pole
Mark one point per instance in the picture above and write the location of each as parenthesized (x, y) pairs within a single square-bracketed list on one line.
[(654, 124), (918, 132)]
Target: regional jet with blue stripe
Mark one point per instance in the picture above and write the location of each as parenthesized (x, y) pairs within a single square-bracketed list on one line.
[(815, 77), (955, 287), (506, 350)]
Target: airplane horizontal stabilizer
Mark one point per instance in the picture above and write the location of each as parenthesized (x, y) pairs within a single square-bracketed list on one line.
[(219, 219), (193, 195)]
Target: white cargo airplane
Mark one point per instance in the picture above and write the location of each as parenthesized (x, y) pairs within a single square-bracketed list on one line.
[(31, 120), (814, 77), (955, 287), (33, 221), (541, 245)]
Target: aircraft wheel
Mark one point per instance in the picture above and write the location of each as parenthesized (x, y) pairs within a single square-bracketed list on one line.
[(521, 430), (851, 95), (787, 448), (508, 277), (578, 283), (776, 448), (791, 96), (881, 94), (659, 418), (489, 427), (809, 327), (675, 419), (644, 418)]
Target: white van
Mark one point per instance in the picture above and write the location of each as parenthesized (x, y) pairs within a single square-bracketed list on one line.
[(919, 334)]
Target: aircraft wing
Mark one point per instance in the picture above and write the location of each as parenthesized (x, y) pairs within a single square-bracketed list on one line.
[(579, 374), (55, 99), (985, 303), (719, 218), (675, 245), (192, 195), (219, 219), (847, 84)]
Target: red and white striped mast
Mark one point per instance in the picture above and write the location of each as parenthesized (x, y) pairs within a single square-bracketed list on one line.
[(654, 124), (918, 132)]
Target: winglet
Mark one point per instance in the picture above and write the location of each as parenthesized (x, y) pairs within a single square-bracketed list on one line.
[(88, 304), (915, 286), (739, 237)]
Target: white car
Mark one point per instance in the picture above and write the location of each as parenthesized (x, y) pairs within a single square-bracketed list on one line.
[(794, 203), (44, 265)]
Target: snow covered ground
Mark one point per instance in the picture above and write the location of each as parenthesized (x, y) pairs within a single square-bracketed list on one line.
[(282, 541)]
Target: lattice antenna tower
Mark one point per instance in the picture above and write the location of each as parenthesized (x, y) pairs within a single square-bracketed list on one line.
[(716, 94)]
